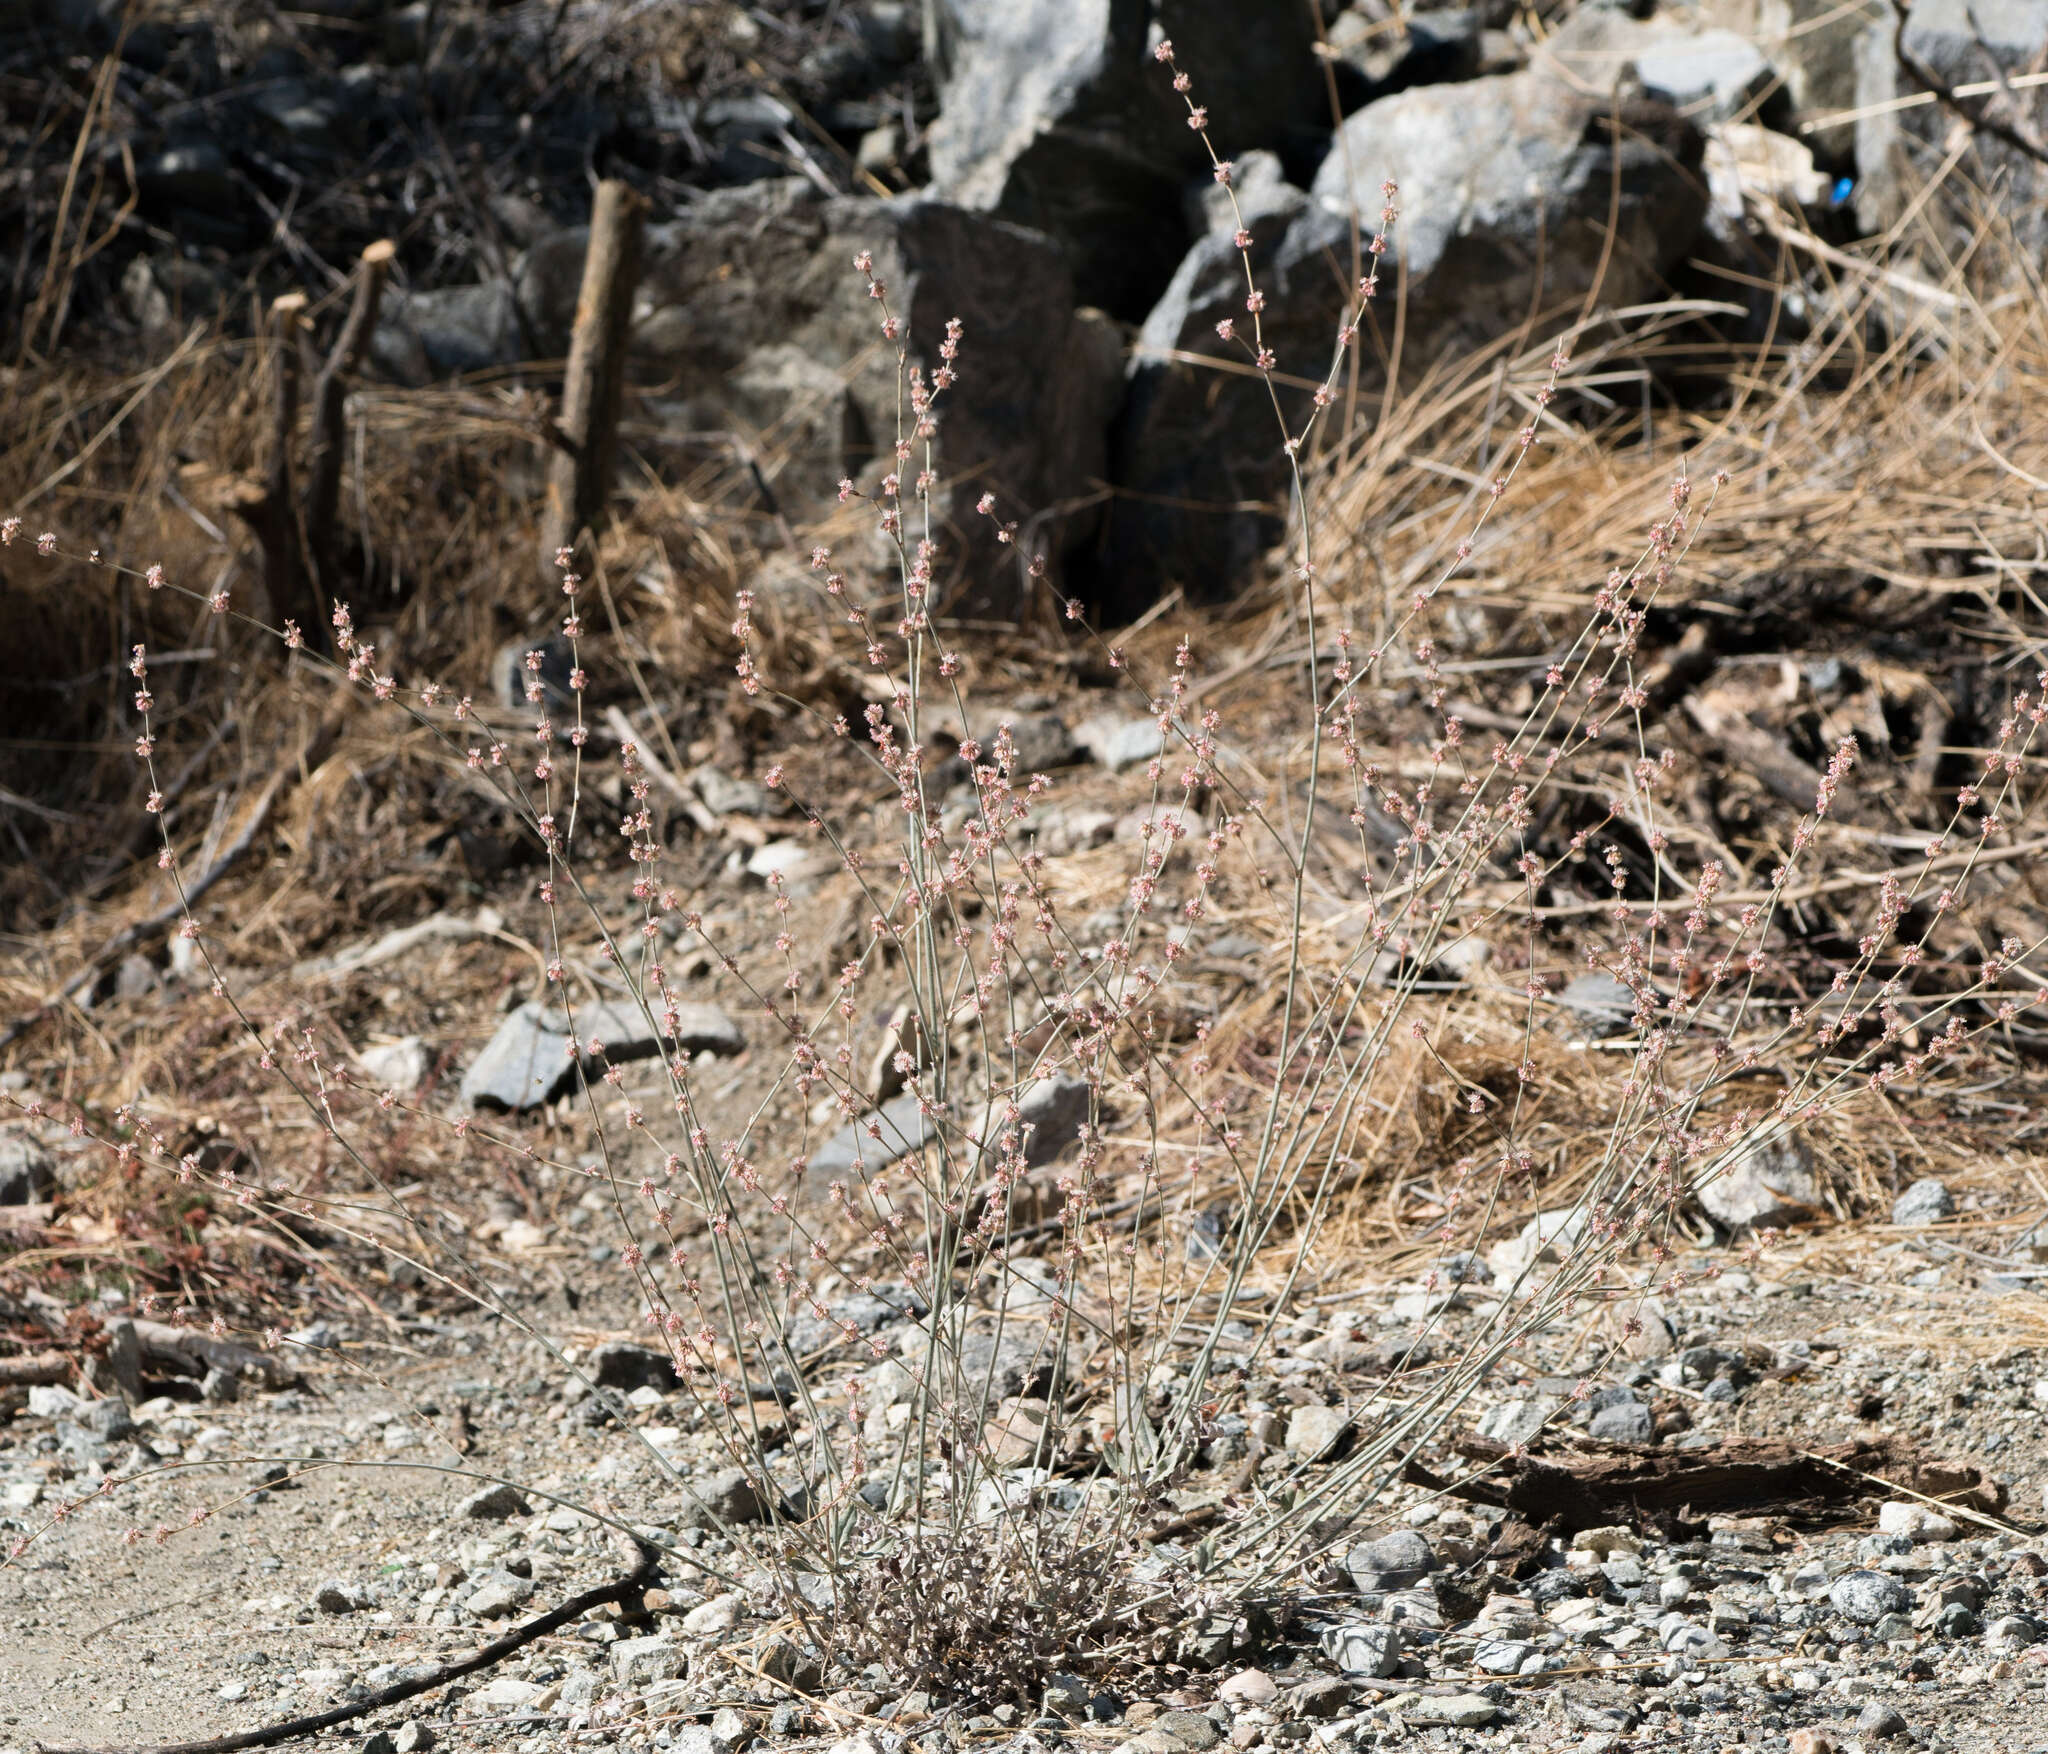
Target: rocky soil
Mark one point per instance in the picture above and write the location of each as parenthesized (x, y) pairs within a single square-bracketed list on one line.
[(326, 1556)]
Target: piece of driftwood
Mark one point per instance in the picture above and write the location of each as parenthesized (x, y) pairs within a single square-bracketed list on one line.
[(195, 1351), (34, 1369), (1673, 1490), (580, 469)]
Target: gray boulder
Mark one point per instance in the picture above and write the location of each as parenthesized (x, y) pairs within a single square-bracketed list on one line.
[(1393, 1562), (1961, 43), (1050, 1115), (26, 1175), (1599, 1003), (1770, 1183), (874, 1141), (1712, 75), (1622, 1421), (1053, 113), (760, 324), (752, 318), (1431, 47), (528, 1062), (1497, 176), (421, 336), (1813, 46), (1927, 1201)]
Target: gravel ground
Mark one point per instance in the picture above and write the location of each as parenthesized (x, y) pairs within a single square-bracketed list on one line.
[(1903, 1625)]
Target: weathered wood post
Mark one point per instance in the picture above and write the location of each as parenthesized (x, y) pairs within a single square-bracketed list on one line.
[(326, 443), (580, 469)]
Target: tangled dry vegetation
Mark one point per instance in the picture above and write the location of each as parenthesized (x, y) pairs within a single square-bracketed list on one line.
[(1868, 571)]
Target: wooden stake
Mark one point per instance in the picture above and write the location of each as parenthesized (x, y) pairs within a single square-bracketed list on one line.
[(580, 470), (275, 516), (327, 442)]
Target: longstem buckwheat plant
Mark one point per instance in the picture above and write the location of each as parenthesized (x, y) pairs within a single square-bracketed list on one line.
[(972, 1503)]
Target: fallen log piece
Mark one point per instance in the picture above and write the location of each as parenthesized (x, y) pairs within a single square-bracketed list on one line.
[(34, 1370), (1673, 1490), (194, 1351)]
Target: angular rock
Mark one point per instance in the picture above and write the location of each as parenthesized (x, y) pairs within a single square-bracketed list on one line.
[(876, 1140), (1711, 75), (1878, 1722), (1520, 1420), (1867, 1596), (1054, 114), (1463, 1711), (1927, 1201), (26, 1175), (397, 1065), (1117, 743), (1393, 1562), (625, 1034), (421, 336), (1813, 46), (1625, 1421), (493, 1504), (637, 1661), (1495, 176), (1691, 1641), (1434, 47), (498, 1594), (728, 1497), (527, 1063), (1050, 1115), (770, 266), (1317, 1434), (1025, 1359), (1038, 743), (1770, 1182), (1185, 1732), (1549, 1236), (523, 1065), (503, 1693), (1502, 1656), (1599, 1003), (1371, 1650), (1916, 1522)]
